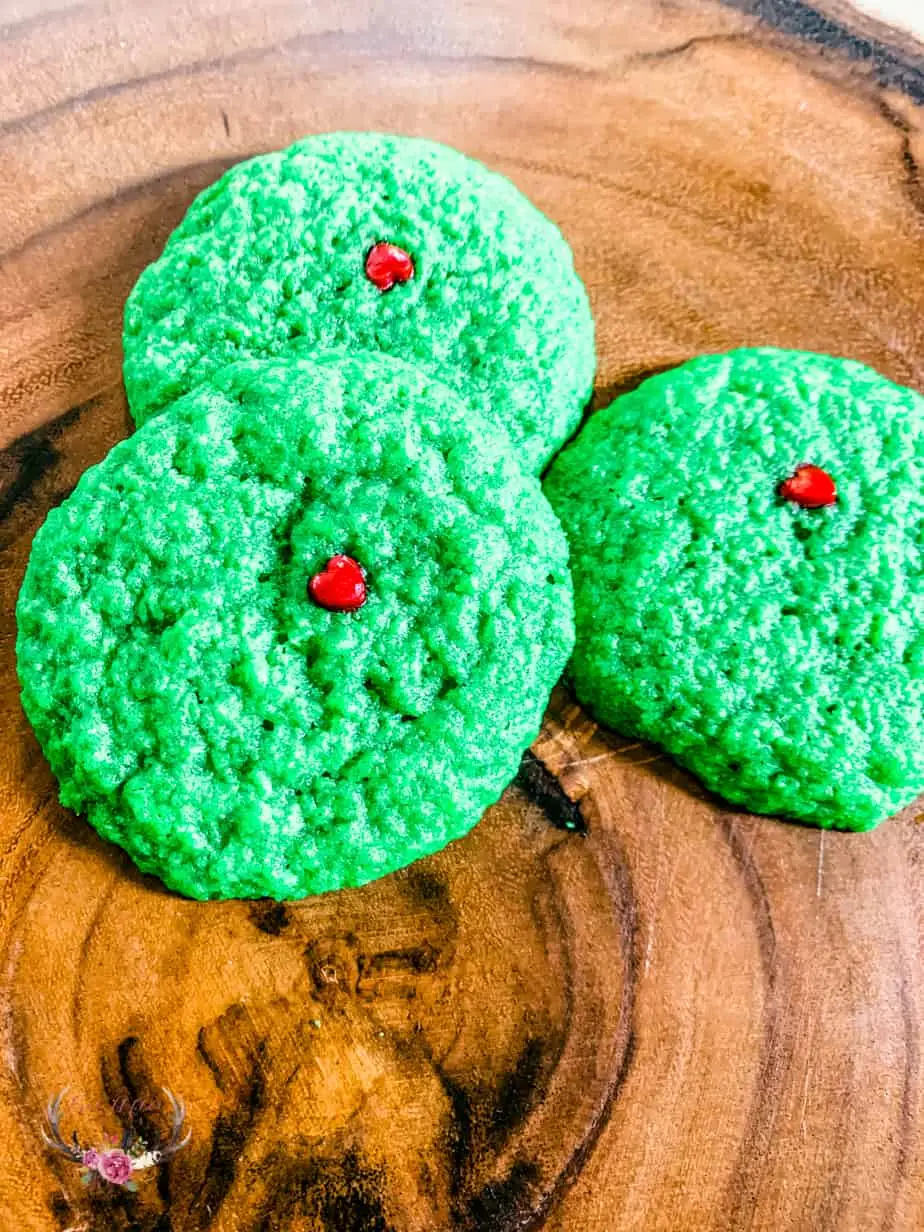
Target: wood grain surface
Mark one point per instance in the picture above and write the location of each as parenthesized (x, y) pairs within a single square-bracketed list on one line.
[(616, 1005)]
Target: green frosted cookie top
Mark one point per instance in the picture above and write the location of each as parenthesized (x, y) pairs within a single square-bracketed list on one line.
[(233, 736), (775, 650), (274, 254)]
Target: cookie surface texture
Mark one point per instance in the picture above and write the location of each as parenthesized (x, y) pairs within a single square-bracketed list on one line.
[(776, 650), (312, 246), (240, 737)]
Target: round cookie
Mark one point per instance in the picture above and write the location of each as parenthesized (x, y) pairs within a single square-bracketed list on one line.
[(200, 694), (313, 245), (775, 649)]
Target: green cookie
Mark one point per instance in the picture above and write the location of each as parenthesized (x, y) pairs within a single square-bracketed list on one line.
[(275, 253), (774, 649), (234, 736)]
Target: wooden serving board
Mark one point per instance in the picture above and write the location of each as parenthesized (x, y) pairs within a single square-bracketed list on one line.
[(617, 1005)]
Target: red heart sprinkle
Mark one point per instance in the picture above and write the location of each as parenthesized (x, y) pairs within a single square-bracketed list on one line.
[(387, 264), (810, 487), (340, 586)]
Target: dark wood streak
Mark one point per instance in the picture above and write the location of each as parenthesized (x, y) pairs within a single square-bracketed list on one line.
[(269, 917), (680, 49), (625, 905), (26, 462), (503, 1206), (900, 70), (113, 1202), (234, 1122), (143, 1091), (491, 1119), (575, 172), (776, 1037), (910, 1071), (420, 959), (459, 1134), (213, 1066), (432, 893), (913, 186), (61, 1210), (480, 1119), (542, 788), (343, 1195), (484, 1121)]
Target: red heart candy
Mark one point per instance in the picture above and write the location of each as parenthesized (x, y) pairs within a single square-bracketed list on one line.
[(340, 586), (387, 264), (810, 487)]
